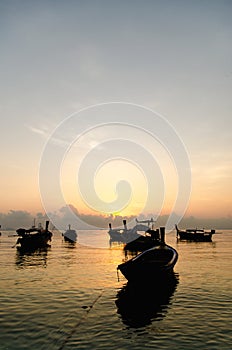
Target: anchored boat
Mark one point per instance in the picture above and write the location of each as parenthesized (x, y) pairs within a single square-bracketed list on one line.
[(194, 235), (70, 235), (151, 263), (126, 235), (34, 237)]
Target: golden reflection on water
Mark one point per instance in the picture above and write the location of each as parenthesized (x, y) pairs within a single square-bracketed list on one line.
[(29, 259), (45, 294)]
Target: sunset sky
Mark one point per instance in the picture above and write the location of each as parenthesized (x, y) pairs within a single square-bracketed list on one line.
[(170, 58)]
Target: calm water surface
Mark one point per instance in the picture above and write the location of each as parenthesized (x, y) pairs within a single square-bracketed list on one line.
[(69, 297)]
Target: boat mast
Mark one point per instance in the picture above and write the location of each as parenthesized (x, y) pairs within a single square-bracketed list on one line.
[(162, 235)]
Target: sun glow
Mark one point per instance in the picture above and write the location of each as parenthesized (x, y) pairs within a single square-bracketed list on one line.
[(105, 184)]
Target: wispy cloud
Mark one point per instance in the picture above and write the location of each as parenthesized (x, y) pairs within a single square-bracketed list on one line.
[(46, 134), (38, 131)]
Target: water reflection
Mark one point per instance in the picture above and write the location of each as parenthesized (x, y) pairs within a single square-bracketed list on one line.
[(33, 258), (196, 243), (69, 245), (115, 244), (139, 304)]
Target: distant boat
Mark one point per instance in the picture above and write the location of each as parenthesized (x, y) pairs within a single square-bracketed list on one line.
[(70, 235), (144, 242), (34, 237), (152, 263), (126, 235), (194, 234)]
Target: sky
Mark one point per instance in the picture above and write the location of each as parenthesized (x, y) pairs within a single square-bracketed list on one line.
[(119, 107)]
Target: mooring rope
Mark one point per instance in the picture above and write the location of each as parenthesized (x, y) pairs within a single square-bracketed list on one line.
[(69, 336)]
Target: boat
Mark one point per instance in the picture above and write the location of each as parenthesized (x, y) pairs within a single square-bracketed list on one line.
[(70, 235), (194, 234), (126, 235), (34, 237), (144, 242), (152, 263)]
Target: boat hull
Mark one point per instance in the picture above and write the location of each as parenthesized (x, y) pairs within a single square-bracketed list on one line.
[(125, 237), (152, 263), (141, 243), (70, 236), (34, 241), (194, 237), (34, 237)]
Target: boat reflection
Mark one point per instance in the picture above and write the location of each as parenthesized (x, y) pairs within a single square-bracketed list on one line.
[(69, 245), (31, 258), (139, 305), (115, 244)]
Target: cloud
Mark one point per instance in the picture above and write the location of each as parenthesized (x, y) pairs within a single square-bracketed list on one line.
[(38, 131), (45, 134)]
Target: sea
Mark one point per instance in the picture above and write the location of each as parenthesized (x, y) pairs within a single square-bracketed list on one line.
[(71, 296)]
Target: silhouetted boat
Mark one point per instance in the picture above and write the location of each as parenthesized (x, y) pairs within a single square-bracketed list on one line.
[(70, 235), (142, 303), (194, 235), (126, 235), (152, 263), (34, 237), (141, 243)]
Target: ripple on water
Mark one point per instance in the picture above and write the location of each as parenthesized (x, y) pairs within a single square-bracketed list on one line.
[(71, 297)]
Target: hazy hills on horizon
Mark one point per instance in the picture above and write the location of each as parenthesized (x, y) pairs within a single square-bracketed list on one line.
[(20, 218)]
